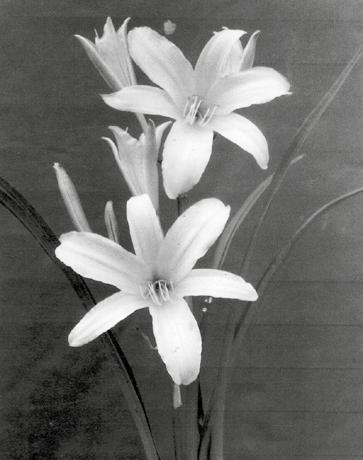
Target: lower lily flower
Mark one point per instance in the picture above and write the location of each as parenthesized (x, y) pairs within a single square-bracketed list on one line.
[(158, 276)]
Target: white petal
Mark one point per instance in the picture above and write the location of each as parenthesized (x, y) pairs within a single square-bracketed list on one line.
[(163, 63), (254, 86), (103, 317), (145, 229), (233, 63), (159, 131), (111, 222), (105, 70), (215, 283), (178, 340), (249, 52), (142, 99), (128, 157), (212, 61), (100, 259), (244, 133), (190, 237), (110, 55), (187, 150)]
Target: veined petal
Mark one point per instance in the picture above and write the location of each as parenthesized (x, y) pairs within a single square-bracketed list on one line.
[(187, 150), (163, 63), (244, 133), (145, 229), (178, 340), (190, 237), (211, 63), (142, 99), (215, 283), (100, 259), (253, 86), (103, 317)]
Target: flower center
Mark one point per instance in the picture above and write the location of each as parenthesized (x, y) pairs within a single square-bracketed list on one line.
[(158, 291), (197, 111)]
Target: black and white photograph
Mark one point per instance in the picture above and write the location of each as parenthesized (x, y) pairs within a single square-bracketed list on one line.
[(181, 250)]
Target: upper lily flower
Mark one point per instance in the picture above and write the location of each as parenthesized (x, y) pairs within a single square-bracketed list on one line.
[(110, 55), (157, 276), (201, 100), (137, 159)]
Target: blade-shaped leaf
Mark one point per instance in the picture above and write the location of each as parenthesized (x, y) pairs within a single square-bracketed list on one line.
[(234, 224), (295, 147)]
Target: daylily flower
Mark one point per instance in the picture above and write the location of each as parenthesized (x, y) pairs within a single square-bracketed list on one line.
[(158, 276), (110, 55), (137, 159), (201, 100)]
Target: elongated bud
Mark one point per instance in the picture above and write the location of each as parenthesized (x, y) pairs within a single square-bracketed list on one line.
[(111, 222), (71, 199)]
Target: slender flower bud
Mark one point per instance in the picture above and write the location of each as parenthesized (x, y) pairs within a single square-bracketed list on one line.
[(138, 159), (110, 55), (111, 222), (71, 199)]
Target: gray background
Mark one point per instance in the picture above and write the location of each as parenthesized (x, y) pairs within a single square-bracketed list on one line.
[(297, 389)]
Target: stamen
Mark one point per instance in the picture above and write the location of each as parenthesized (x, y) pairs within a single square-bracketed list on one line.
[(191, 108), (207, 116), (157, 291)]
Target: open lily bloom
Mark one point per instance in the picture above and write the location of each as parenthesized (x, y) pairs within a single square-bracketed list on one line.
[(201, 100), (137, 159), (110, 55), (158, 276)]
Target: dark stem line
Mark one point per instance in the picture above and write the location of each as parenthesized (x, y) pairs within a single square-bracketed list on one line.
[(17, 205)]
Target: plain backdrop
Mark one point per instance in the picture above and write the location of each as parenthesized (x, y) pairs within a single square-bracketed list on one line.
[(296, 391)]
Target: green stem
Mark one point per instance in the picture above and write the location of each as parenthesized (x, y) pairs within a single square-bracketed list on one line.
[(12, 200)]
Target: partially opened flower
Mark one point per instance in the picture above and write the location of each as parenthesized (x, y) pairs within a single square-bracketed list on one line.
[(110, 55), (137, 159), (158, 276), (201, 100)]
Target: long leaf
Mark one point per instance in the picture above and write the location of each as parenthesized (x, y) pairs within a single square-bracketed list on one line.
[(295, 147), (280, 257), (42, 233), (234, 224)]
